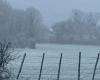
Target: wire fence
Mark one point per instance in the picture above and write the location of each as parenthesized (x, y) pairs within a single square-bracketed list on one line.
[(58, 68)]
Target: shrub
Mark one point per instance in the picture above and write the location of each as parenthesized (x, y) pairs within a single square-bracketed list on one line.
[(5, 58)]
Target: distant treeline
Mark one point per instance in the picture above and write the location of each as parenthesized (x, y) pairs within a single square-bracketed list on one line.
[(24, 28), (79, 28)]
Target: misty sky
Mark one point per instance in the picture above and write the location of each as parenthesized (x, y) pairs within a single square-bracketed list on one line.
[(57, 10)]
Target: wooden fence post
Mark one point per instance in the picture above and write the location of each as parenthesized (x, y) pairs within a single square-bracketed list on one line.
[(58, 75), (21, 66), (41, 66), (79, 65), (95, 66)]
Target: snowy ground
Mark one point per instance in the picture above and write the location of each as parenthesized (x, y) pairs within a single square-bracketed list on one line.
[(69, 62)]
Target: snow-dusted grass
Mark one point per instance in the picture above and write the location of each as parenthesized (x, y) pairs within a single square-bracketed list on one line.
[(69, 63)]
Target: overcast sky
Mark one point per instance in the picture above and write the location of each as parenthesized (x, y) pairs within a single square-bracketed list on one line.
[(57, 10)]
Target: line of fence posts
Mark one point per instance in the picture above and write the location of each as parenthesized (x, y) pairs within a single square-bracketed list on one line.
[(21, 66), (59, 68)]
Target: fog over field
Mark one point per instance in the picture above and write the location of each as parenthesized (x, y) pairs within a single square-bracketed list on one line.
[(50, 21), (49, 39)]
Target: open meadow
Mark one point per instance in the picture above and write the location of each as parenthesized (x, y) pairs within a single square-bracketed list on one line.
[(69, 65)]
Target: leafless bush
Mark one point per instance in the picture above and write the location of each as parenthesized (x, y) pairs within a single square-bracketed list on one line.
[(5, 58)]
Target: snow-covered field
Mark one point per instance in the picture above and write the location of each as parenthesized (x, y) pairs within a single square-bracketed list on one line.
[(69, 62)]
